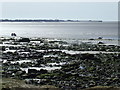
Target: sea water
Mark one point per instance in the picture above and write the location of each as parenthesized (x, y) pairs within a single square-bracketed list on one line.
[(72, 30)]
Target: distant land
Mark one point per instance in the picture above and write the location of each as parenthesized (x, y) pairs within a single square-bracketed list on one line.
[(46, 20)]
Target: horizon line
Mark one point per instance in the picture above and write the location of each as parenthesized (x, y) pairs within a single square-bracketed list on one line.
[(54, 19)]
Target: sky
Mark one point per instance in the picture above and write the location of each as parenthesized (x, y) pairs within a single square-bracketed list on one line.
[(106, 11)]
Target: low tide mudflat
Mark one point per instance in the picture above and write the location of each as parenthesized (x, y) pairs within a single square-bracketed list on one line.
[(65, 64)]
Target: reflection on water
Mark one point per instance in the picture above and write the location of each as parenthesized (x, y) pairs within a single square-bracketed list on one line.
[(61, 30)]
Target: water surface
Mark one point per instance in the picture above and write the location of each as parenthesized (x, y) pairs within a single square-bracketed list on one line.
[(76, 30)]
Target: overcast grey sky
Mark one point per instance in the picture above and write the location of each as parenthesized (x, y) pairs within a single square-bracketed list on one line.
[(106, 11)]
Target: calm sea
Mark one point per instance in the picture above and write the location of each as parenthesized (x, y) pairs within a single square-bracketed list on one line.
[(73, 30)]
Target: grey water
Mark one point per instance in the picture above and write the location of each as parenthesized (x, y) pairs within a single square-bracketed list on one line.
[(70, 30)]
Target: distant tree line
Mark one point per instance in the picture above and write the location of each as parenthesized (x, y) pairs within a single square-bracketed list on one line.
[(46, 20), (32, 20)]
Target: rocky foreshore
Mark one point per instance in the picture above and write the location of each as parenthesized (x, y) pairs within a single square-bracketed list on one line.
[(60, 63)]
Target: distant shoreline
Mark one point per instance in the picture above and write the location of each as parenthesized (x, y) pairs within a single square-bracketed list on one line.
[(47, 20)]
